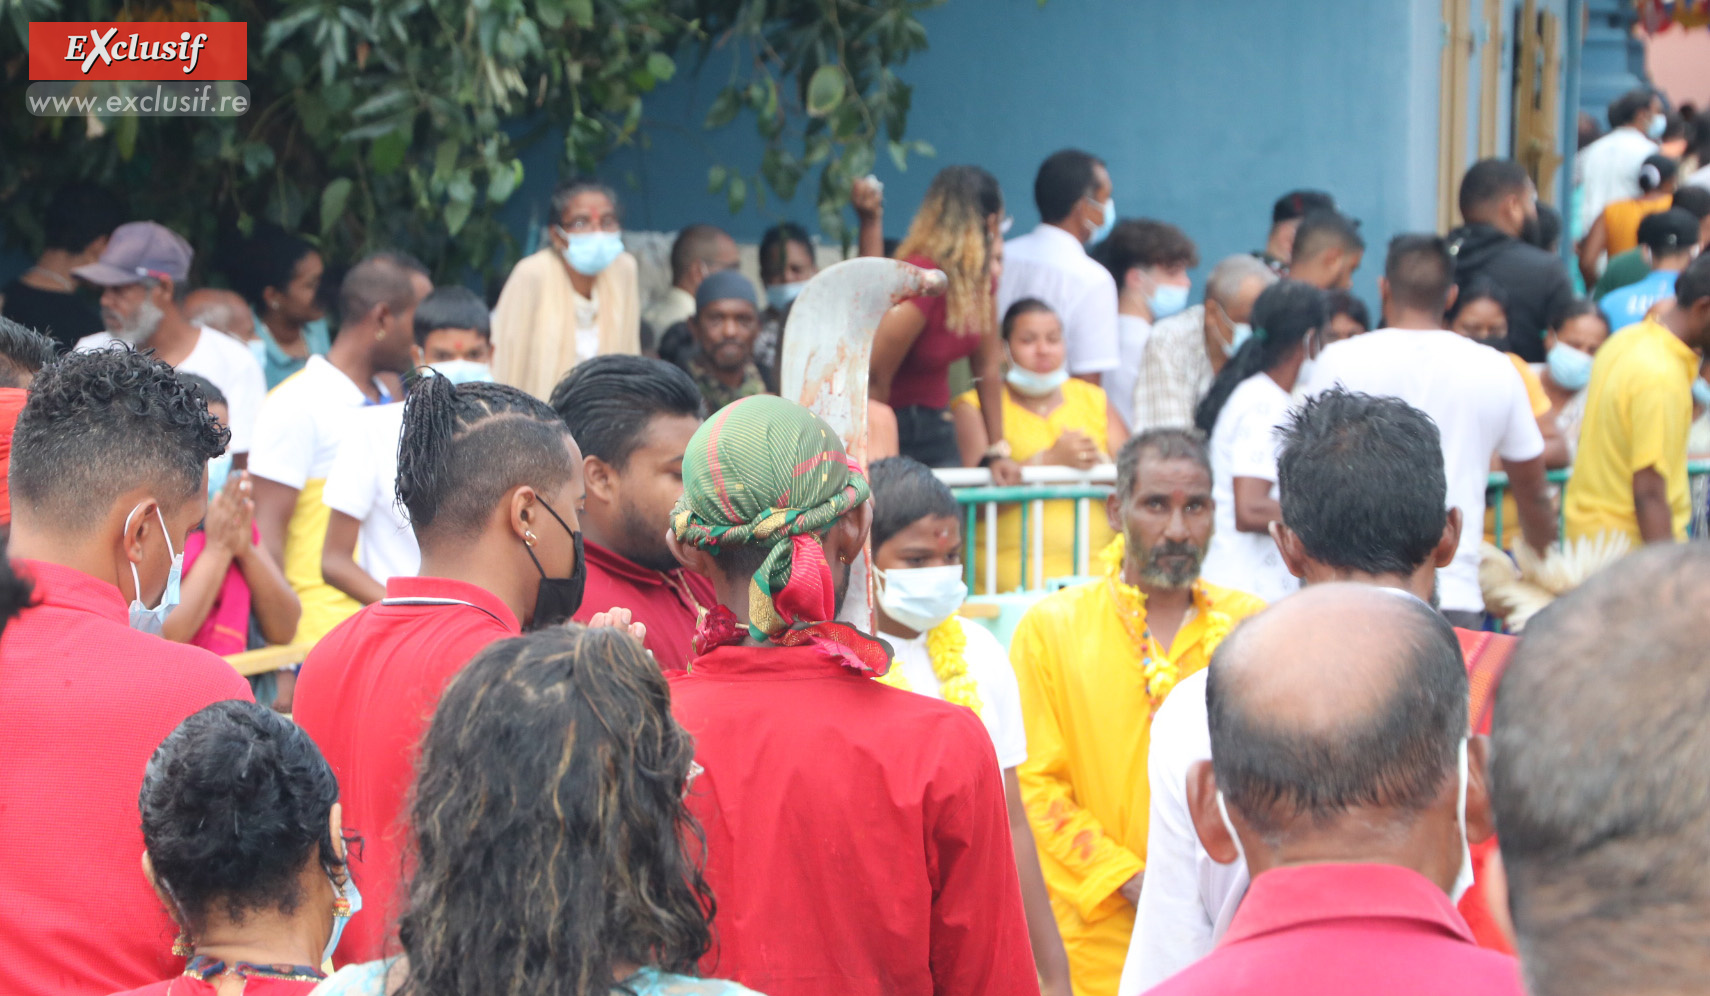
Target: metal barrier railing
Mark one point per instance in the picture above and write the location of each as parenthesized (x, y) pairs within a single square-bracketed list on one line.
[(975, 493), (1497, 490)]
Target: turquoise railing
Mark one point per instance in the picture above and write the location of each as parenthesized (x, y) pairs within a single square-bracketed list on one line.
[(1497, 490), (1088, 497)]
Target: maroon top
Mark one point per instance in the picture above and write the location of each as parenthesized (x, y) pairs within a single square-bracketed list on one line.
[(923, 378)]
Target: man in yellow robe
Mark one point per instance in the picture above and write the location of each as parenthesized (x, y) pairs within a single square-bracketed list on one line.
[(1094, 662)]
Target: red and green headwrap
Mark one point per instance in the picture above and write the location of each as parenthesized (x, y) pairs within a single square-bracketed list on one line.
[(767, 472)]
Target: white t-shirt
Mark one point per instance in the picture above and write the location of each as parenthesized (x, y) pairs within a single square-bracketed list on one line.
[(1244, 444), (1609, 171), (302, 423), (988, 664), (1132, 333), (1174, 925), (362, 485), (1479, 403), (228, 365), (1052, 265)]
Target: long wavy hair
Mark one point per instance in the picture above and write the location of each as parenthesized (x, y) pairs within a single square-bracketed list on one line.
[(950, 229), (550, 823)]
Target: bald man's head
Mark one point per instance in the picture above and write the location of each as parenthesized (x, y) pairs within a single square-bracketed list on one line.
[(220, 309), (1601, 780), (1342, 697)]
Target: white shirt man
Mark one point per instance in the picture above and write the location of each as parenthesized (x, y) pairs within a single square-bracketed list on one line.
[(1609, 170), (228, 365), (1050, 264), (1479, 403), (362, 484)]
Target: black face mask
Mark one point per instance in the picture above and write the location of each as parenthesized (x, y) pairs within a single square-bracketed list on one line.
[(559, 598)]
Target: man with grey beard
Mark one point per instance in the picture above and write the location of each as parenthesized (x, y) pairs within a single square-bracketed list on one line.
[(144, 275)]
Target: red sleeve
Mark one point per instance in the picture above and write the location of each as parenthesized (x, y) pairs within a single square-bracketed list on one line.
[(979, 931)]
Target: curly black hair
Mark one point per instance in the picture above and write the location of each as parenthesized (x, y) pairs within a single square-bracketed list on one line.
[(103, 422), (550, 824), (463, 446), (234, 803), (23, 352)]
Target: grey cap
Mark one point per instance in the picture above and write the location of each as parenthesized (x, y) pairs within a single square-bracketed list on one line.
[(725, 285), (139, 250)]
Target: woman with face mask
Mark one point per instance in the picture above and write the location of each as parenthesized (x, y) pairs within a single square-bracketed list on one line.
[(1249, 400), (246, 850), (1049, 419), (574, 299), (917, 550), (1569, 348)]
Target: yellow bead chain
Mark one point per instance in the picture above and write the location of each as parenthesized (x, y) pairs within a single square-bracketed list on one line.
[(1159, 672), (946, 647)]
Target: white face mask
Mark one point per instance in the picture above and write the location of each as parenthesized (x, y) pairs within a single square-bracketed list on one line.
[(921, 597), (1223, 813), (144, 619), (1035, 385), (1464, 877)]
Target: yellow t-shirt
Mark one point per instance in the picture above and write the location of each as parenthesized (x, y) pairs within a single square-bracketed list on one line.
[(1084, 407), (1638, 411), (1540, 402), (1088, 719)]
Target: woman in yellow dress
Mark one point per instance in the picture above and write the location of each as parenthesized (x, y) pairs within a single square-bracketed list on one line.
[(1049, 419)]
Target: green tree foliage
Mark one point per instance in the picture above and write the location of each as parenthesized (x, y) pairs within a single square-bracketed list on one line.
[(401, 122)]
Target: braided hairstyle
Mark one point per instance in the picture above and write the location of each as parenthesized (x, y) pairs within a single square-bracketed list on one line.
[(234, 803), (1282, 317), (551, 823), (464, 445)]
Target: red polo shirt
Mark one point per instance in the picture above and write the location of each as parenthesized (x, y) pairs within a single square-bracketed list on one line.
[(84, 702), (1347, 928), (857, 839), (366, 694), (669, 603)]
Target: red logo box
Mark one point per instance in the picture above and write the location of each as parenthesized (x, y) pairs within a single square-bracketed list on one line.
[(140, 50)]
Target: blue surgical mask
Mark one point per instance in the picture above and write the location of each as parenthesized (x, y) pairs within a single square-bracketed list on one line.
[(219, 468), (1241, 332), (1570, 368), (1658, 125), (1103, 230), (1701, 392), (143, 619), (1035, 385), (353, 901), (589, 254), (463, 371), (1167, 300), (781, 296), (921, 597)]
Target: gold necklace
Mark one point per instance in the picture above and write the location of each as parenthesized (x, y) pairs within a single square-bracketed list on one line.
[(946, 648)]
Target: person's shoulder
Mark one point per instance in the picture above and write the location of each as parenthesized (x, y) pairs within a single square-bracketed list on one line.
[(1184, 324), (1232, 602), (94, 341), (981, 642), (1062, 607), (1081, 393), (179, 669), (231, 353), (968, 397)]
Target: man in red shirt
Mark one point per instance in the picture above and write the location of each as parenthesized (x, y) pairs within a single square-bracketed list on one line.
[(1343, 776), (1600, 784), (23, 351), (109, 471), (632, 417), (856, 834), (491, 480)]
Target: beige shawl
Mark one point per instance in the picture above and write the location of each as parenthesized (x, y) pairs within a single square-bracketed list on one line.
[(534, 326)]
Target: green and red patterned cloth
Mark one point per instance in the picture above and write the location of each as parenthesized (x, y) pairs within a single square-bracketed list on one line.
[(767, 472)]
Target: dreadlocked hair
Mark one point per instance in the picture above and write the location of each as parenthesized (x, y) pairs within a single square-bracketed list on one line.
[(551, 825), (465, 445), (951, 230)]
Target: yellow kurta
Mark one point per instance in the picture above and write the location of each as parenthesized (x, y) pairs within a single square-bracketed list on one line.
[(1088, 718), (1510, 511), (1084, 407), (534, 325), (1638, 412)]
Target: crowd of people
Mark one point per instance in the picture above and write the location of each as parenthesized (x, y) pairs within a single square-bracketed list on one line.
[(579, 708)]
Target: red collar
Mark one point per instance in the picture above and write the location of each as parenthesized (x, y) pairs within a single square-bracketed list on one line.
[(1300, 895), (461, 591), (618, 565), (743, 663), (68, 588)]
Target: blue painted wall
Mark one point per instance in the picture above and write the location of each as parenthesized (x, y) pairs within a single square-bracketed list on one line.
[(1205, 113)]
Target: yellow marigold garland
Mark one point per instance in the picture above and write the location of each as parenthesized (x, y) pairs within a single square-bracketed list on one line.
[(946, 647), (1160, 673)]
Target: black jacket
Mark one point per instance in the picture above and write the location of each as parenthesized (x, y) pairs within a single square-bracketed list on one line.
[(1535, 281)]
